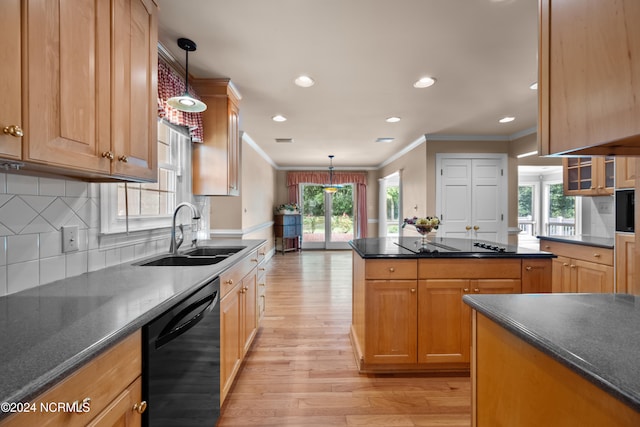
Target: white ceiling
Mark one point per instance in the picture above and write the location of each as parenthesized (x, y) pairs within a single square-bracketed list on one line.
[(365, 56)]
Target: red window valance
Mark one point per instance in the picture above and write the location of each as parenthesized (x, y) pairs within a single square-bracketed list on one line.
[(170, 84)]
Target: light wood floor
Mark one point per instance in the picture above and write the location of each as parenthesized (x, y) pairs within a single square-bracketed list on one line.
[(301, 369)]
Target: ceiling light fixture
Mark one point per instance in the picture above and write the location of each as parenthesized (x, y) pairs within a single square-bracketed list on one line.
[(533, 86), (530, 153), (393, 119), (331, 188), (424, 82), (387, 139), (279, 118), (186, 102), (304, 81), (507, 119)]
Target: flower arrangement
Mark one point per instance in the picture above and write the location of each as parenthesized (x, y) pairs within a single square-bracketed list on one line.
[(287, 208), (423, 225)]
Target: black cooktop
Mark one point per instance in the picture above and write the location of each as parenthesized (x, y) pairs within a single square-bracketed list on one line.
[(449, 245)]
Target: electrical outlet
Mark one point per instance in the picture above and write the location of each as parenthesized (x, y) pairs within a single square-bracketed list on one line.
[(70, 238)]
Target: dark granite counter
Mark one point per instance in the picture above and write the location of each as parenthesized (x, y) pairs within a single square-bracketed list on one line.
[(410, 247), (601, 242), (49, 331), (595, 335)]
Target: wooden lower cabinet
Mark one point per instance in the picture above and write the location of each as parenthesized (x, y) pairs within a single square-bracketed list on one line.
[(408, 315), (625, 265), (515, 384), (580, 268), (112, 382)]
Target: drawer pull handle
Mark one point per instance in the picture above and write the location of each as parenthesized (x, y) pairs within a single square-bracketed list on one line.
[(391, 269), (528, 268), (140, 407)]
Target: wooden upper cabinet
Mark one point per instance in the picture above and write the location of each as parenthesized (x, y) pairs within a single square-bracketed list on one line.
[(588, 176), (135, 89), (589, 77), (67, 81), (89, 88), (10, 69), (216, 162), (625, 172)]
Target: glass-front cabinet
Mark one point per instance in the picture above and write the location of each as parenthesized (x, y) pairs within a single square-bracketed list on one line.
[(589, 176)]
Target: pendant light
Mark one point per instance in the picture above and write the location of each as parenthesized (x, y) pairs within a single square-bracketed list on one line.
[(186, 102), (331, 188)]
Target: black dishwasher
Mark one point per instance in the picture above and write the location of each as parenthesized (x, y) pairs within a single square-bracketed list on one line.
[(181, 362)]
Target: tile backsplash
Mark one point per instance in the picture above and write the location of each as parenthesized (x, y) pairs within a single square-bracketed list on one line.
[(32, 212)]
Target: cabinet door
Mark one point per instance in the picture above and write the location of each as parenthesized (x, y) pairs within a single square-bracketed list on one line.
[(536, 276), (625, 266), (124, 411), (250, 310), (496, 286), (579, 176), (234, 149), (443, 321), (68, 111), (625, 172), (391, 321), (561, 275), (10, 57), (135, 89), (589, 54), (590, 277), (230, 345)]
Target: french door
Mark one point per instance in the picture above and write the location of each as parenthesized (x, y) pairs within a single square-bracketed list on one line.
[(328, 220)]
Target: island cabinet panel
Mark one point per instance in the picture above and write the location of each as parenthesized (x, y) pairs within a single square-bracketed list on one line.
[(391, 314), (456, 268), (625, 267), (391, 269), (515, 384), (536, 276)]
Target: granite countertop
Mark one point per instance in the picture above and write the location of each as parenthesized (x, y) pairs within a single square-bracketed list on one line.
[(410, 248), (49, 331), (601, 242), (595, 335)]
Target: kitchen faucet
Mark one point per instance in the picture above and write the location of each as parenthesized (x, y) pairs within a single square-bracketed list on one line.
[(173, 248)]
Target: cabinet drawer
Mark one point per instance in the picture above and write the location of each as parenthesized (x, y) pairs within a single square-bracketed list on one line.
[(391, 269), (230, 278), (486, 268), (585, 253), (101, 379)]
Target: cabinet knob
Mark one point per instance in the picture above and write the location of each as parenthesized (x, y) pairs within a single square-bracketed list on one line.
[(475, 227), (140, 407), (83, 405), (108, 155), (468, 227), (13, 130), (254, 260), (261, 268), (229, 282), (597, 255), (476, 290), (123, 159), (242, 290), (466, 290), (391, 269), (413, 290), (261, 284), (572, 266), (547, 247), (246, 288), (528, 268), (564, 264)]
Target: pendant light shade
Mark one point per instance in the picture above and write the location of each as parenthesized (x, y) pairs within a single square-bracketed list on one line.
[(186, 102), (331, 188)]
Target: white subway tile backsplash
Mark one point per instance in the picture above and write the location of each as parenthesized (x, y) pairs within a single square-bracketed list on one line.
[(38, 225), (52, 269), (22, 248), (113, 257), (3, 251), (127, 254), (97, 260), (16, 214), (3, 281), (23, 275), (76, 263), (22, 184), (57, 214), (4, 198), (51, 187), (3, 183), (50, 244), (38, 203), (76, 189)]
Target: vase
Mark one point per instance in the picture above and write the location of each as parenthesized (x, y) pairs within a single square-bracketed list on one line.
[(424, 240)]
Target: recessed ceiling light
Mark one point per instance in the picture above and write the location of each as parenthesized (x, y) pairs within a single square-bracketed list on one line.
[(279, 118), (393, 119), (533, 86), (304, 81), (424, 82), (507, 119), (386, 139), (530, 153)]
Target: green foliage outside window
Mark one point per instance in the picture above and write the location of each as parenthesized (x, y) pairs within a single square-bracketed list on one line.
[(559, 204)]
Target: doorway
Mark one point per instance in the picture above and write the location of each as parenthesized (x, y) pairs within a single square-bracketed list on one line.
[(328, 220), (390, 209)]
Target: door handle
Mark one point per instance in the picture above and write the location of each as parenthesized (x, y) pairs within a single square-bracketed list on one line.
[(476, 228), (468, 227)]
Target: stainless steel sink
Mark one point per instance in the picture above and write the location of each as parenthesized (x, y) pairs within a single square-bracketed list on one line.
[(206, 255), (207, 251)]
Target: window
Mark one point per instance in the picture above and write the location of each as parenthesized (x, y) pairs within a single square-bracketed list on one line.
[(150, 205), (561, 212), (526, 209)]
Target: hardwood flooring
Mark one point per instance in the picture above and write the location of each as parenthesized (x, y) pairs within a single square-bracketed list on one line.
[(301, 370)]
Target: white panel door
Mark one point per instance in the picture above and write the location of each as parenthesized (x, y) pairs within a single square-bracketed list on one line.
[(471, 198)]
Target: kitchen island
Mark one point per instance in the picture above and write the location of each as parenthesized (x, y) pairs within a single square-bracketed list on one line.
[(555, 360), (408, 314)]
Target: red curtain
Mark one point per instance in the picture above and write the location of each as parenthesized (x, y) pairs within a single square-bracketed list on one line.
[(358, 179), (170, 84)]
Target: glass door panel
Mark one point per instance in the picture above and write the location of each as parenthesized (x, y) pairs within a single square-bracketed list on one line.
[(313, 214), (328, 219), (341, 221)]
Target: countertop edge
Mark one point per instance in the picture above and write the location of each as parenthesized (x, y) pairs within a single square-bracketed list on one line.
[(574, 241), (52, 377), (557, 353)]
